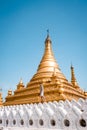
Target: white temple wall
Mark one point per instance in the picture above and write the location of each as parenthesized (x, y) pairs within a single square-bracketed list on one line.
[(53, 115)]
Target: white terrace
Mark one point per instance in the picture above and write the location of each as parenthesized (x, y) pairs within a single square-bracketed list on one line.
[(62, 115)]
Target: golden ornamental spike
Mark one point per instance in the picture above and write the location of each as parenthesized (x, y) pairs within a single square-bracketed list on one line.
[(21, 81), (47, 32)]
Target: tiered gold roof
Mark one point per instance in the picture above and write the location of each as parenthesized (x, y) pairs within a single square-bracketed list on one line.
[(55, 85)]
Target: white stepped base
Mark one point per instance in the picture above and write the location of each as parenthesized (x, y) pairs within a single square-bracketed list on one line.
[(62, 115)]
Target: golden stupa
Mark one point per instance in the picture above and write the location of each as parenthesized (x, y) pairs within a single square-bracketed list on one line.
[(48, 84)]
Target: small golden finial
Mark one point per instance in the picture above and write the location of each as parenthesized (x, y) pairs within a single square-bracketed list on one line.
[(71, 65), (9, 92), (47, 32), (48, 37), (21, 82), (73, 79)]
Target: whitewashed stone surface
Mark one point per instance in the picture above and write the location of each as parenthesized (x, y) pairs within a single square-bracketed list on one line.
[(62, 115)]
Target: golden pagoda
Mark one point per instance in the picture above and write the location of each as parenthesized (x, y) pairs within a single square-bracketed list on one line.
[(47, 84)]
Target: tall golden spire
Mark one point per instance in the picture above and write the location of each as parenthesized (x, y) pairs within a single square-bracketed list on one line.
[(48, 62), (73, 79)]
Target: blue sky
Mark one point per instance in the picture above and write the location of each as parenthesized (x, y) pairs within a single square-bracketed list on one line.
[(23, 25)]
